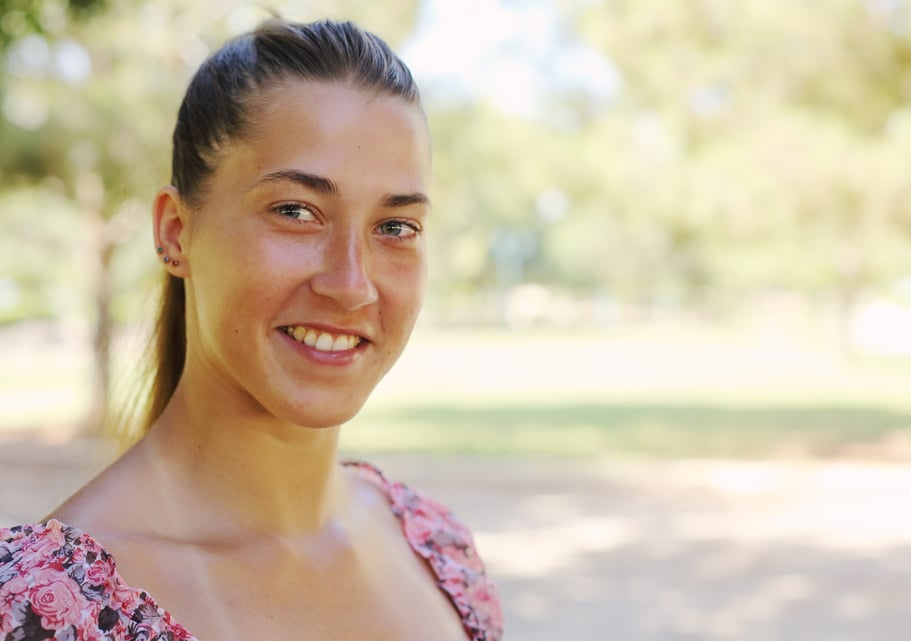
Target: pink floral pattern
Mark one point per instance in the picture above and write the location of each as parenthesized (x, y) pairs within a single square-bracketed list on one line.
[(57, 582), (447, 545)]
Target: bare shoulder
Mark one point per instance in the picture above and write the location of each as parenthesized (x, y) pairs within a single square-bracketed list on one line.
[(106, 501)]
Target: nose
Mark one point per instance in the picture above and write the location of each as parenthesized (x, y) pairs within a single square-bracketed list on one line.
[(344, 274)]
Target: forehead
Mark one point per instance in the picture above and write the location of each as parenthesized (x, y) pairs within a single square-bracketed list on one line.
[(335, 130)]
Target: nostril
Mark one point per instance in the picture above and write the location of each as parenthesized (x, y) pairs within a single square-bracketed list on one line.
[(345, 276)]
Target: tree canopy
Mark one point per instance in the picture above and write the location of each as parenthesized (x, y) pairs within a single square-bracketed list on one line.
[(674, 155)]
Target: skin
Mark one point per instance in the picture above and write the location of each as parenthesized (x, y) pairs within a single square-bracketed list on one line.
[(234, 501)]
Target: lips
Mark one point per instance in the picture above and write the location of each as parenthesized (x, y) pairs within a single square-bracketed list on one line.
[(322, 340)]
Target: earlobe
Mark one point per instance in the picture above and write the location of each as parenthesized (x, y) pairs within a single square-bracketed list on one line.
[(169, 221)]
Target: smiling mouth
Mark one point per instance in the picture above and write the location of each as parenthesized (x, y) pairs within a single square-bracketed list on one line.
[(320, 340)]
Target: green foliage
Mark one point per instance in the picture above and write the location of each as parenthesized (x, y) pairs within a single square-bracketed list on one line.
[(751, 146), (91, 91), (393, 21), (19, 18), (89, 98), (785, 123), (44, 271)]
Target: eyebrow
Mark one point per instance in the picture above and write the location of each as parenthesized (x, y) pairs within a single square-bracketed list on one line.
[(328, 187), (404, 200), (318, 184)]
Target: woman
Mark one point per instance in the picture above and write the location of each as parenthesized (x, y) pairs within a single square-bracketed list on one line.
[(292, 238)]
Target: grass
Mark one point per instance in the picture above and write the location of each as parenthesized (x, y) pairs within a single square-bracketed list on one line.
[(668, 430), (665, 392), (668, 391)]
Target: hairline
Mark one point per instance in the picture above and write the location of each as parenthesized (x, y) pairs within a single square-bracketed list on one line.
[(254, 106)]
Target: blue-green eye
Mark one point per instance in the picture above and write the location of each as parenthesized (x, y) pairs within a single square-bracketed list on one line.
[(295, 211), (399, 229)]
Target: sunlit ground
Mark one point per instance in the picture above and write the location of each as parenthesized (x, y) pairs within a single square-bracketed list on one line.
[(704, 550), (643, 484)]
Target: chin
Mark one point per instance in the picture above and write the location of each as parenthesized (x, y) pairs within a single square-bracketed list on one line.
[(306, 417)]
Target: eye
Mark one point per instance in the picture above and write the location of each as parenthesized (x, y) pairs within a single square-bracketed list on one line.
[(399, 229), (295, 211)]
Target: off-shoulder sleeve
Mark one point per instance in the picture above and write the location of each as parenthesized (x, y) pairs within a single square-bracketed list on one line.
[(56, 582), (435, 534)]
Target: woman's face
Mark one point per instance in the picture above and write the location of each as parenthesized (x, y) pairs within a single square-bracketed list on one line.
[(305, 265)]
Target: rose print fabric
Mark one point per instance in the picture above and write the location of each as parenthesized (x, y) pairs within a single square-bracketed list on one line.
[(57, 582)]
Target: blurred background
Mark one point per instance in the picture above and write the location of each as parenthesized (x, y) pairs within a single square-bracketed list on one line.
[(664, 369)]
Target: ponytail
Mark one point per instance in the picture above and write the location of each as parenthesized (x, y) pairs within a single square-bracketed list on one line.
[(168, 349)]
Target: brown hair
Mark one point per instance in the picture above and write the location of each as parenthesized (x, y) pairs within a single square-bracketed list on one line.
[(219, 107)]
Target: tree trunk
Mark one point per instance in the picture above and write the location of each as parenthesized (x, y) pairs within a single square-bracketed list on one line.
[(96, 417), (847, 302)]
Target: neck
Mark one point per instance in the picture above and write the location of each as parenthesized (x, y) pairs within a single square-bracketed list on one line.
[(244, 469)]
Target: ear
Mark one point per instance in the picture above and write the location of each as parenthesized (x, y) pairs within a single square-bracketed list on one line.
[(170, 219)]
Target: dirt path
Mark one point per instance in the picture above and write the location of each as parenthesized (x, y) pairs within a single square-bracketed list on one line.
[(598, 551)]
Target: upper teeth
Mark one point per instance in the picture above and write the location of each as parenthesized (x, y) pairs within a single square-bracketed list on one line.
[(323, 341)]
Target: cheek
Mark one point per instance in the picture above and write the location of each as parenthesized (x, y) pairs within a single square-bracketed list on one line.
[(407, 289), (257, 267), (227, 277)]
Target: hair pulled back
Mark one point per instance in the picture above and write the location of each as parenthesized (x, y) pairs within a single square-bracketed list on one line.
[(220, 106)]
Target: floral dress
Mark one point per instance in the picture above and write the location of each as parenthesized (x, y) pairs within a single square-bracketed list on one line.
[(57, 582)]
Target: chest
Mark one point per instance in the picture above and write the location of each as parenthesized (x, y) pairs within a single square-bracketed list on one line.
[(380, 592)]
